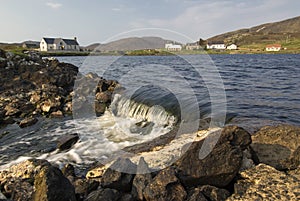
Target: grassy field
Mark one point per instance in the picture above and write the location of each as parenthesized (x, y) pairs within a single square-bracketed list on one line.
[(291, 46)]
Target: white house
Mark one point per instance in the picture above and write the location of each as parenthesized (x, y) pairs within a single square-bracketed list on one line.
[(172, 47), (216, 45), (232, 47), (193, 46), (59, 44), (273, 48)]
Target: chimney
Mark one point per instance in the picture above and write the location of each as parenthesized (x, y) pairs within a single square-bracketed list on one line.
[(75, 38)]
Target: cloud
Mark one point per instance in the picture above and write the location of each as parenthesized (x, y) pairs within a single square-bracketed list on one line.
[(53, 5)]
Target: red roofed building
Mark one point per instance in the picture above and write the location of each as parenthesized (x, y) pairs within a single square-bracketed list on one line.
[(273, 48)]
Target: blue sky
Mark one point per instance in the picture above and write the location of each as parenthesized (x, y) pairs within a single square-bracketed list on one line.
[(104, 20)]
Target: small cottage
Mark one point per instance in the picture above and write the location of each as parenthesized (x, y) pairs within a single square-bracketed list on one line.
[(232, 47), (173, 47), (273, 48), (216, 46), (192, 46), (59, 44)]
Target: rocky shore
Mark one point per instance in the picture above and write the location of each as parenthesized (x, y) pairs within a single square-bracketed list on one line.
[(245, 164), (32, 87)]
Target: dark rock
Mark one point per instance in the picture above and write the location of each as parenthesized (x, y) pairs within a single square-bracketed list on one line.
[(196, 195), (8, 120), (165, 186), (103, 194), (142, 127), (100, 108), (126, 197), (28, 122), (67, 141), (141, 180), (221, 165), (277, 146), (84, 187), (264, 182), (68, 170), (214, 193), (51, 185), (57, 114), (119, 175)]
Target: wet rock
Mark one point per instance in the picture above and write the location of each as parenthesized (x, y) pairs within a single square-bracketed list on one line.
[(103, 194), (142, 127), (165, 186), (51, 185), (264, 182), (8, 120), (28, 122), (100, 108), (57, 114), (103, 97), (277, 146), (11, 111), (67, 141), (119, 175), (221, 165), (141, 180)]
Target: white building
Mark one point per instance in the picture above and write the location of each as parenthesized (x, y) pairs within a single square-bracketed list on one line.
[(192, 46), (172, 47), (59, 44), (273, 48), (232, 47), (216, 45)]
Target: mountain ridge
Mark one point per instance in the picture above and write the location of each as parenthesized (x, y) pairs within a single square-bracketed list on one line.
[(265, 33)]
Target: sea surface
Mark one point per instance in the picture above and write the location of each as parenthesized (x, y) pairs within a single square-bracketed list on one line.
[(159, 92), (258, 85)]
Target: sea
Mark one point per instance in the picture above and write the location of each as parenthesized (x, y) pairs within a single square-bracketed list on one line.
[(157, 94)]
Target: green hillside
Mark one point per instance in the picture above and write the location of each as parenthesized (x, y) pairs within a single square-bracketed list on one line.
[(286, 33)]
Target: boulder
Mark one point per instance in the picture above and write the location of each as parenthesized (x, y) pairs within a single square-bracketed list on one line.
[(67, 141), (106, 194), (221, 165), (119, 175), (277, 146), (264, 182), (165, 186), (51, 185), (28, 122), (141, 180)]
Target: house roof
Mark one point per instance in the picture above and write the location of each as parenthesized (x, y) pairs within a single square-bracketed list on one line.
[(70, 41), (273, 45), (57, 40)]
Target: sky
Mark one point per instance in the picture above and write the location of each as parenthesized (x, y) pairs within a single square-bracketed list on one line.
[(102, 21)]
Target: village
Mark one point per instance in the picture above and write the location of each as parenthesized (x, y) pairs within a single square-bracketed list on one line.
[(61, 45)]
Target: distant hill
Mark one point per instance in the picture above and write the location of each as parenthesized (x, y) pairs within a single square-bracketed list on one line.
[(132, 43), (266, 33), (92, 46)]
